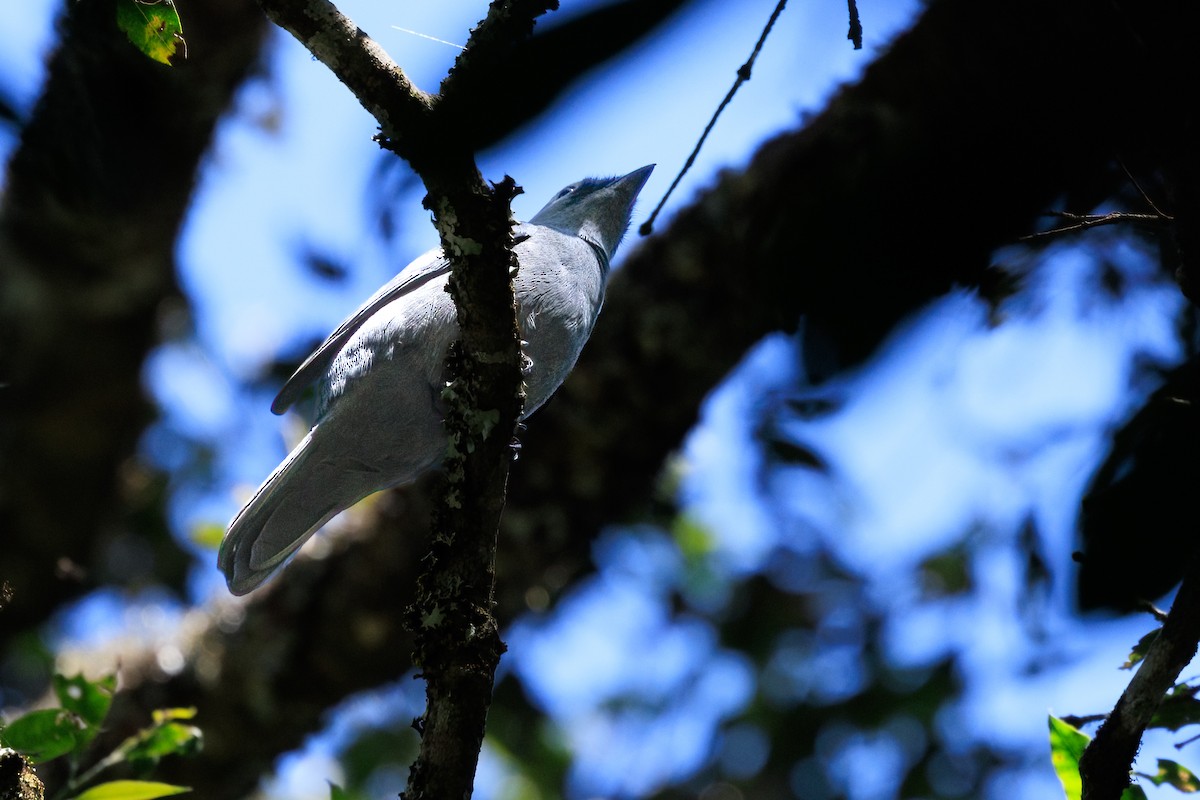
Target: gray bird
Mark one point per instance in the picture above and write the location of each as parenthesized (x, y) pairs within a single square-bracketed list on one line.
[(380, 374)]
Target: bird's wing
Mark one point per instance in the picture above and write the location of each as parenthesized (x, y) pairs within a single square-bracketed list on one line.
[(426, 268)]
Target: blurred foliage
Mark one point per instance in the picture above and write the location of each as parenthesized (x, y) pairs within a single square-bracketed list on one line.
[(1179, 708), (371, 750), (826, 690), (1173, 774), (69, 729), (1146, 484), (810, 630)]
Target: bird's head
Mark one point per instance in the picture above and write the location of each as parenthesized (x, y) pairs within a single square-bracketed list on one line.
[(595, 209)]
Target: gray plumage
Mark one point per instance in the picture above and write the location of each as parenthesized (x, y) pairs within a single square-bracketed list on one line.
[(379, 375)]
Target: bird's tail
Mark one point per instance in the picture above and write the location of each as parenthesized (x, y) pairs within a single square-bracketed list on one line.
[(289, 507)]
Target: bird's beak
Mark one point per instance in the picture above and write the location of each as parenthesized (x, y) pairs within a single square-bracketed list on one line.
[(634, 181)]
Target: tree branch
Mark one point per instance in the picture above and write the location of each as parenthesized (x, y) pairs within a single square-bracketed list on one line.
[(18, 781), (833, 220), (489, 49), (93, 200), (458, 644), (378, 83), (1108, 759)]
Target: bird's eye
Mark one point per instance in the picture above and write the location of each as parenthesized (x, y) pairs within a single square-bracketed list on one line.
[(565, 191)]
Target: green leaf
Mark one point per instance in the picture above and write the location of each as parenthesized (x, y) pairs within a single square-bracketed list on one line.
[(1141, 648), (1175, 774), (153, 26), (1179, 708), (692, 537), (161, 715), (131, 790), (337, 793), (208, 535), (1133, 792), (947, 573), (1067, 744), (170, 738), (90, 700), (46, 734)]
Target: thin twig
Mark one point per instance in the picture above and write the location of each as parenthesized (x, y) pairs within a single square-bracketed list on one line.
[(1080, 721), (1085, 221), (743, 75), (855, 33), (1145, 196), (1146, 605)]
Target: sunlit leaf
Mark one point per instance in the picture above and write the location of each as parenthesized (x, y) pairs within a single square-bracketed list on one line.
[(153, 27), (1174, 774), (161, 715), (171, 738), (1140, 649), (1067, 744), (43, 735), (131, 790), (208, 535)]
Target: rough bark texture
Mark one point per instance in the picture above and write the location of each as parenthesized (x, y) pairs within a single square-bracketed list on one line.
[(18, 781), (93, 200), (954, 142), (458, 643)]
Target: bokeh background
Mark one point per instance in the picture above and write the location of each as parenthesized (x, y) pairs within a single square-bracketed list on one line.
[(851, 577)]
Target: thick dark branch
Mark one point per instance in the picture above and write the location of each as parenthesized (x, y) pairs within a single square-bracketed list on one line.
[(902, 187), (1107, 761), (93, 199), (507, 25)]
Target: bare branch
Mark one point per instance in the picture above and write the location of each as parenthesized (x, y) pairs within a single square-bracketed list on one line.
[(1085, 221), (743, 75)]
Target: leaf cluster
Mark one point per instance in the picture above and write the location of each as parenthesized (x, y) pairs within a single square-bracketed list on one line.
[(69, 729)]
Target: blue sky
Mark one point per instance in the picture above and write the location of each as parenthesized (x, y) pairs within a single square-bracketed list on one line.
[(952, 421)]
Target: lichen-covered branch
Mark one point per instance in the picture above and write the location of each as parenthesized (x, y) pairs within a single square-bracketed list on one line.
[(915, 155), (18, 781), (458, 642)]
